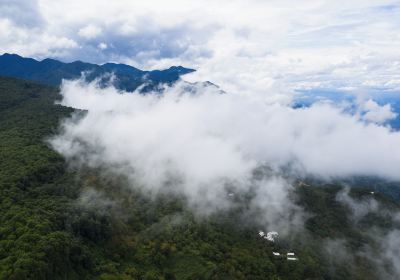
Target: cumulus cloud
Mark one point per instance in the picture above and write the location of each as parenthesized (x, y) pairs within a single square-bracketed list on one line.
[(102, 46), (375, 113), (90, 31), (28, 42), (246, 46)]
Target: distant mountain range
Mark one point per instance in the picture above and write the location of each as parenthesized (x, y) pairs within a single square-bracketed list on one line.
[(51, 72)]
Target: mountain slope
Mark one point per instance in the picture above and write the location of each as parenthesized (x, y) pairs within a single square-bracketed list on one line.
[(51, 72), (61, 223)]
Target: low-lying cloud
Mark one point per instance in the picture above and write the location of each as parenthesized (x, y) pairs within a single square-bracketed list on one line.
[(206, 143), (383, 252), (237, 132)]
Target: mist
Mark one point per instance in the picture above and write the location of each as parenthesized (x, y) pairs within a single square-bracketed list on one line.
[(384, 252), (204, 144)]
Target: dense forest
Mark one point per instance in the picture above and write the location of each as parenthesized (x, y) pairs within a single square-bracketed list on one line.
[(58, 221)]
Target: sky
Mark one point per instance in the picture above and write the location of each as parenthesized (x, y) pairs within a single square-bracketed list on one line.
[(244, 46)]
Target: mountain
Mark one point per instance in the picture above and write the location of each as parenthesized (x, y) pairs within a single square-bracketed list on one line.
[(51, 72), (60, 222)]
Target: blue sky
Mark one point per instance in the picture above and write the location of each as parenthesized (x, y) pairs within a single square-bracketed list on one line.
[(244, 46)]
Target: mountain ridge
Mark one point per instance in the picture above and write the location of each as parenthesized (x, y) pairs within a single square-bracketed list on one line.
[(52, 72)]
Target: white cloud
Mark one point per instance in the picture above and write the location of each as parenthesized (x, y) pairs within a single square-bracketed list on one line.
[(244, 46), (102, 46), (375, 113), (202, 142), (322, 139), (90, 31), (32, 42)]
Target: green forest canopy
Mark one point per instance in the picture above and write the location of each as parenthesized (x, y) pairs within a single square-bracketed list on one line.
[(46, 232)]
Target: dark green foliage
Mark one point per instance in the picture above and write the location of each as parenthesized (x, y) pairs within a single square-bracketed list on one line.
[(51, 228), (34, 243)]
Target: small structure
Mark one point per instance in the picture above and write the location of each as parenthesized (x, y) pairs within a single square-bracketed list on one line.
[(231, 194), (271, 236), (291, 257), (276, 254), (372, 192)]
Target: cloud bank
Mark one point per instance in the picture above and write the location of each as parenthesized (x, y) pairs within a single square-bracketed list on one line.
[(243, 46), (237, 131), (206, 145)]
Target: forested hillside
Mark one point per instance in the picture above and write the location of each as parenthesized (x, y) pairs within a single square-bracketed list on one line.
[(61, 222)]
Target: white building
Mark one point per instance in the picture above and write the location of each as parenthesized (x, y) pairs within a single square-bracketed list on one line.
[(271, 236)]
